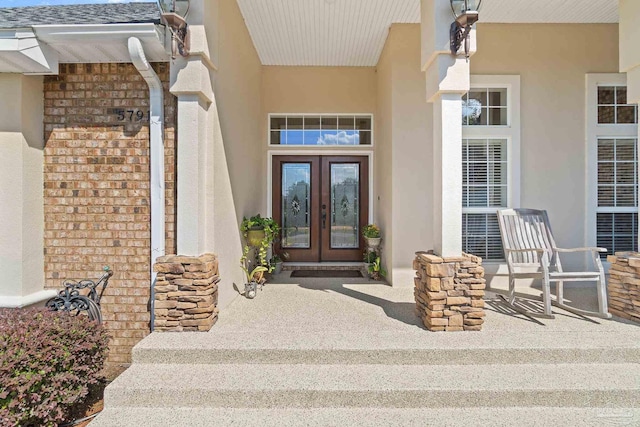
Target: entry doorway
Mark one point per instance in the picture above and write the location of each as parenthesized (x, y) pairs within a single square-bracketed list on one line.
[(321, 203)]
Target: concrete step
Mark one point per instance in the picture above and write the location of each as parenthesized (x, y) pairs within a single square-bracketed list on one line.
[(368, 417), (389, 348), (379, 386)]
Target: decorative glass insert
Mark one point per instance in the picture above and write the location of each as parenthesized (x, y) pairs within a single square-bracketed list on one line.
[(485, 107), (617, 212), (484, 190), (345, 205), (296, 205), (325, 129), (613, 107)]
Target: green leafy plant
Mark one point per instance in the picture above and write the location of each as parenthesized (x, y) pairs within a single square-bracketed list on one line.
[(376, 271), (371, 231), (370, 257), (271, 233), (47, 362), (245, 264), (275, 259)]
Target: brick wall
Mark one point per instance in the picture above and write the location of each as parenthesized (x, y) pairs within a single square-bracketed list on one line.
[(96, 188)]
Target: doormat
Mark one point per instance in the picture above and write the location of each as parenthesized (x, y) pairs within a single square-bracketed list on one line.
[(326, 274)]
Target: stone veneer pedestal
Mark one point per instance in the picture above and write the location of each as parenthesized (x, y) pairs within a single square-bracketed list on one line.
[(623, 288), (186, 293), (449, 292)]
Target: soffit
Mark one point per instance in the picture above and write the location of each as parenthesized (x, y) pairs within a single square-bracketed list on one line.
[(40, 49), (353, 32), (102, 43)]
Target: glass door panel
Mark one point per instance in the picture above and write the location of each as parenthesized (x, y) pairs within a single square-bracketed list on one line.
[(296, 205), (345, 205)]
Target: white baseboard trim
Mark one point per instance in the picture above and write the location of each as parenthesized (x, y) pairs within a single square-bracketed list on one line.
[(26, 300)]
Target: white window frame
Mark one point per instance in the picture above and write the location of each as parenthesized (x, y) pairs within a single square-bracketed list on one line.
[(594, 132), (509, 132), (321, 147)]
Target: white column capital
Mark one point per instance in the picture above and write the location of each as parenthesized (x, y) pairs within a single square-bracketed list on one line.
[(445, 73), (192, 75)]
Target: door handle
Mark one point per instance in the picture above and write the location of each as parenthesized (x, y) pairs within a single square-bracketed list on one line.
[(324, 216)]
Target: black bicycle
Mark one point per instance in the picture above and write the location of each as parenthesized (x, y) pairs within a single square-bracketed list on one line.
[(72, 300)]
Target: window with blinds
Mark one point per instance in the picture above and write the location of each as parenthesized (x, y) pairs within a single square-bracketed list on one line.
[(617, 211), (484, 191)]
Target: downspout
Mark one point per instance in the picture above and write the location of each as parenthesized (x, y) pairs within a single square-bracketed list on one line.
[(156, 148)]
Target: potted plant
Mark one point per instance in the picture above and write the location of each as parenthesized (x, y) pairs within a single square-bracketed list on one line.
[(376, 271), (276, 263), (255, 277), (260, 233), (371, 233)]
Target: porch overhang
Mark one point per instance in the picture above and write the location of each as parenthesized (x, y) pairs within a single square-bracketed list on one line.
[(353, 33)]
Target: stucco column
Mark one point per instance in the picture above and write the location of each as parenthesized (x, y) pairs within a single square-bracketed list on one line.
[(21, 195), (447, 79), (629, 39), (191, 84)]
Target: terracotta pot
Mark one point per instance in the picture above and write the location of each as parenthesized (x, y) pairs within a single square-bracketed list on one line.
[(254, 237)]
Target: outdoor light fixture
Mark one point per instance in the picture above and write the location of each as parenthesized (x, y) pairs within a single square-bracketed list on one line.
[(174, 13), (465, 13)]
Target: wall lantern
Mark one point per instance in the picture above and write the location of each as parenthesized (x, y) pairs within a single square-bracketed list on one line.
[(465, 13), (174, 14)]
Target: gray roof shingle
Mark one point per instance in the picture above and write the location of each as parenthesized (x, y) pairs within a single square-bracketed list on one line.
[(116, 13)]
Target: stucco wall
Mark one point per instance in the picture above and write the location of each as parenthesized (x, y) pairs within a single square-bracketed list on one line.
[(239, 163), (412, 154), (318, 90), (552, 61), (383, 172), (21, 202)]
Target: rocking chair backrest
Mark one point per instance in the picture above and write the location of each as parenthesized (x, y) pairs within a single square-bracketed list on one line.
[(526, 229)]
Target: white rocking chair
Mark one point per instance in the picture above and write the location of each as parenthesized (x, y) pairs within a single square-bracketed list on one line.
[(531, 252)]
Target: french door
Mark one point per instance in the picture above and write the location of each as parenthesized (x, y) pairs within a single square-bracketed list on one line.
[(321, 203)]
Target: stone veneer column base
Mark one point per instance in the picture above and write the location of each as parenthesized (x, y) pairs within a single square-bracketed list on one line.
[(186, 293), (623, 288), (449, 292)]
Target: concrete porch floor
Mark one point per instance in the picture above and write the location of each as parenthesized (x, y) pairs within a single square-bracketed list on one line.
[(357, 314), (343, 352)]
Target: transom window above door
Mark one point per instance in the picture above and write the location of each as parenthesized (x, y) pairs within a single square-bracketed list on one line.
[(320, 129)]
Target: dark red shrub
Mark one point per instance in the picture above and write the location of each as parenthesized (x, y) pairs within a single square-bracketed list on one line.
[(47, 361)]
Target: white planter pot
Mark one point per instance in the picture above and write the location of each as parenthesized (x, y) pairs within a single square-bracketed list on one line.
[(373, 242)]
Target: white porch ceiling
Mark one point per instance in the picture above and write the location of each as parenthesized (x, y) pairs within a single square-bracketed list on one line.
[(353, 32)]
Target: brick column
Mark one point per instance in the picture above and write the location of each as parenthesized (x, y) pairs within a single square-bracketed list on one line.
[(623, 288), (186, 293), (449, 292)]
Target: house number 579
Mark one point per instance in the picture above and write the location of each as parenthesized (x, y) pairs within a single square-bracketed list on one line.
[(132, 115)]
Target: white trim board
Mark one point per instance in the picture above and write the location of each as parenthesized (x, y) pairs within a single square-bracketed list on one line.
[(26, 300), (593, 132)]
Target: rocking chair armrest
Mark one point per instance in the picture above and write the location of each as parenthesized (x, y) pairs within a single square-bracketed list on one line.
[(520, 251), (586, 249)]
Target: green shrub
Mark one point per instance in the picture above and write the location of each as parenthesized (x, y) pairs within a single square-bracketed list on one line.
[(47, 361)]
